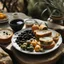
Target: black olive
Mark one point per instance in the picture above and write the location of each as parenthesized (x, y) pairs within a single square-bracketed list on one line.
[(16, 40), (23, 37), (19, 44), (22, 33), (16, 33), (19, 38), (4, 32), (19, 35), (26, 31)]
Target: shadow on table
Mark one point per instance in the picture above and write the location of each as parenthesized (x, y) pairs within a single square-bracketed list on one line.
[(61, 60)]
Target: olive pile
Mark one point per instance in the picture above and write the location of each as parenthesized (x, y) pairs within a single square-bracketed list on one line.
[(24, 38)]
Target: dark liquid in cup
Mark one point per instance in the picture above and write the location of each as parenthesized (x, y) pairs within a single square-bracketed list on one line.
[(16, 24)]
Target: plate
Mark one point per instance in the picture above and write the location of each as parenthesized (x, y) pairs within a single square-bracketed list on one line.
[(16, 46), (4, 20)]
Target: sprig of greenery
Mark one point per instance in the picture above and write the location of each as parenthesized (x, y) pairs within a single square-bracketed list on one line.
[(58, 4)]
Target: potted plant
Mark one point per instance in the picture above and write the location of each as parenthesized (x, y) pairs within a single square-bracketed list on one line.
[(57, 14)]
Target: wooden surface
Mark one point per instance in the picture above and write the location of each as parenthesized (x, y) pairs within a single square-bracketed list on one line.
[(49, 58)]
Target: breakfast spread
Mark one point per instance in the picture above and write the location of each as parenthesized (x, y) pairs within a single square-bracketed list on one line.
[(5, 36), (37, 39)]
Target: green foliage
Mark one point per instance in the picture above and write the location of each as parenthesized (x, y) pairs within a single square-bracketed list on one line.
[(42, 9)]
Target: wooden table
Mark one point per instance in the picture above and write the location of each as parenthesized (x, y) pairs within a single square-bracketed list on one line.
[(49, 58)]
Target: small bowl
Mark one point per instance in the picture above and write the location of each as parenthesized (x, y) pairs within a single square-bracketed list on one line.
[(29, 23), (16, 24)]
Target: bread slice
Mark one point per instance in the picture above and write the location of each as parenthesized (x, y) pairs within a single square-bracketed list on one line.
[(49, 46), (43, 33), (46, 40), (35, 31), (5, 36), (43, 27), (56, 37)]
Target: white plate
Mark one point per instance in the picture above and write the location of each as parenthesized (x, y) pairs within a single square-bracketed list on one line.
[(16, 46), (4, 20)]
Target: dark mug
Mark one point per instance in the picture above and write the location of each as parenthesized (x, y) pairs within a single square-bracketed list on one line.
[(16, 24)]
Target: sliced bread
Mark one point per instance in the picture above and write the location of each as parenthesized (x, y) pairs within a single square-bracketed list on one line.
[(43, 33)]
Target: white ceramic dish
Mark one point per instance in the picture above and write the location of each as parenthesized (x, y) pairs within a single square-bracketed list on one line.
[(16, 46)]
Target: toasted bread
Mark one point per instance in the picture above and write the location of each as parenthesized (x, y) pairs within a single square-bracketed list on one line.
[(5, 36), (49, 46), (43, 33), (46, 40), (43, 27), (56, 37), (35, 27), (35, 31)]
